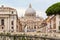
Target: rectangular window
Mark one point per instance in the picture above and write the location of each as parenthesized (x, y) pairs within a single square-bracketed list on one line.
[(59, 27), (12, 23), (12, 12), (2, 21)]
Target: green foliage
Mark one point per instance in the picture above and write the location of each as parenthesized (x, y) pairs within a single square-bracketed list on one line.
[(23, 38), (8, 34), (1, 33), (54, 9)]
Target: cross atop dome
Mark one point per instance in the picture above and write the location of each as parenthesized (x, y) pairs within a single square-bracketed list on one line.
[(30, 5)]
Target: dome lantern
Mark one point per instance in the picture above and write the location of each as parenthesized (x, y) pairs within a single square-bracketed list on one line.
[(2, 6), (30, 6)]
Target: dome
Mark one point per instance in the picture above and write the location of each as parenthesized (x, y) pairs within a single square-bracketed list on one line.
[(30, 11)]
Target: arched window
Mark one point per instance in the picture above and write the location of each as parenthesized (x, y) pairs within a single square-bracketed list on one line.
[(2, 21), (2, 27)]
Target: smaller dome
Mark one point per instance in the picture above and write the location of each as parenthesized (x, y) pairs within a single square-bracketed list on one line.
[(30, 11)]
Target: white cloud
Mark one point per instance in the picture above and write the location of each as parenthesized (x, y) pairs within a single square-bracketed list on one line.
[(41, 14)]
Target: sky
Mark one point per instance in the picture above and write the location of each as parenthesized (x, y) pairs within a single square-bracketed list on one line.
[(40, 6)]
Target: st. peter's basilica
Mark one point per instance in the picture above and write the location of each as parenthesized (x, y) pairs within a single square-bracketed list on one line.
[(30, 22)]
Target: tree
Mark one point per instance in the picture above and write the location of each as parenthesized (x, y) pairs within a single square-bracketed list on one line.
[(54, 9)]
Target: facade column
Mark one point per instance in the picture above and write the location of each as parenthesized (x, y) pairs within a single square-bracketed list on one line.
[(8, 23)]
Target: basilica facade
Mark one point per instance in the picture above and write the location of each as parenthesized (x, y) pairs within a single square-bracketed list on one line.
[(30, 22)]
